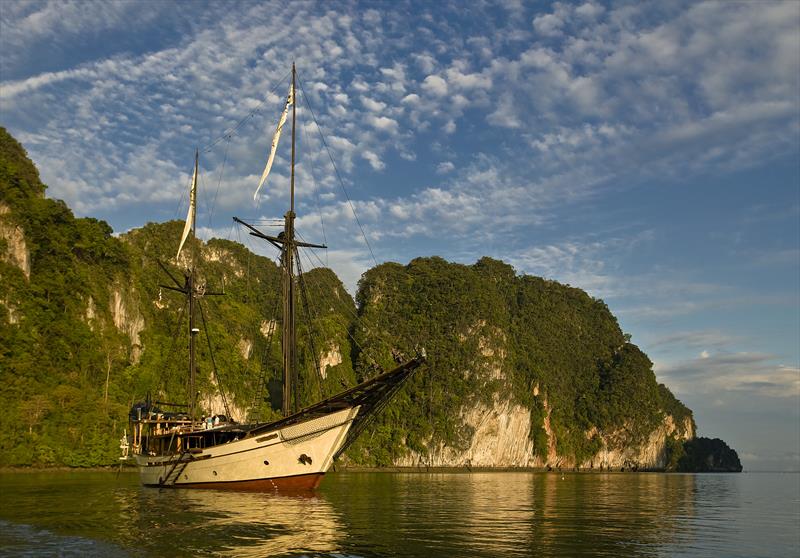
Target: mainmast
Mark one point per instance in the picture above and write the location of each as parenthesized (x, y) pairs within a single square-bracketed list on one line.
[(288, 245), (288, 337)]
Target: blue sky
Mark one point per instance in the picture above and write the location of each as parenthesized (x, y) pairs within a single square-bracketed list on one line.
[(648, 153)]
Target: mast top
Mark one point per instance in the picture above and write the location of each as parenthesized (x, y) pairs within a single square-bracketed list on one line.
[(294, 118)]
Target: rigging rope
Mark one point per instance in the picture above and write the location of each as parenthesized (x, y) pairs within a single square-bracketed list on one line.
[(233, 130), (316, 189), (172, 346), (304, 296), (262, 381), (219, 182), (338, 176), (357, 320), (214, 364)]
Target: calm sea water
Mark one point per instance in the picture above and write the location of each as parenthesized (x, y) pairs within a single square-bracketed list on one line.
[(414, 514)]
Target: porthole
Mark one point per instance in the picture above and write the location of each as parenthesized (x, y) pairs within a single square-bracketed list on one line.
[(215, 473), (266, 462), (186, 477)]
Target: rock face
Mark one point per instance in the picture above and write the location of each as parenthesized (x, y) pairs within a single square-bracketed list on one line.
[(331, 357), (16, 252), (127, 319), (267, 328), (502, 439), (652, 454), (502, 431), (214, 404), (216, 254), (245, 347)]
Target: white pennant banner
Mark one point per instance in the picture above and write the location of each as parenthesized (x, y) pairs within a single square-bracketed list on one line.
[(275, 139), (190, 216)]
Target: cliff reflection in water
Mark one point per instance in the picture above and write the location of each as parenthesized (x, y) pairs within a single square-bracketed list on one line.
[(514, 514), (612, 514)]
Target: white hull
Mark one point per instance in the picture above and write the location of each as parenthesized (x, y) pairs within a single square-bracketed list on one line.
[(294, 456)]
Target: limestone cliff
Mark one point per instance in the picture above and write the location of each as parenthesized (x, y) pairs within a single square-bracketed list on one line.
[(651, 454), (502, 439), (127, 318), (13, 237), (522, 372)]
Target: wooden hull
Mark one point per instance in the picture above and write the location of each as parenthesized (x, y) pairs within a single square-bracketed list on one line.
[(293, 457)]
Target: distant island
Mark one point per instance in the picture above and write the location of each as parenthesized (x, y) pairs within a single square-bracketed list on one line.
[(523, 371)]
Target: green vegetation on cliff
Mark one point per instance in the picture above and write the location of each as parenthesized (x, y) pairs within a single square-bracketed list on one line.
[(90, 331), (54, 364), (552, 348), (708, 455)]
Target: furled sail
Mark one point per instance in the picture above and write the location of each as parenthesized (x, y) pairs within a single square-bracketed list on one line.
[(192, 208), (275, 139)]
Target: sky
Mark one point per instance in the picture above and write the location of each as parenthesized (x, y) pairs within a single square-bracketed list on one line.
[(648, 153)]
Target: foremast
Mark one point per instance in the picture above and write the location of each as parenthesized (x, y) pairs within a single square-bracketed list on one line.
[(190, 293), (188, 288)]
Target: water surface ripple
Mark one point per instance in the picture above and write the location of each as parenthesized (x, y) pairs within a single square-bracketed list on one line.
[(408, 514)]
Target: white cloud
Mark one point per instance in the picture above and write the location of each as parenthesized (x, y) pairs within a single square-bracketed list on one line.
[(458, 80), (619, 72), (12, 89), (505, 114), (548, 24), (399, 211), (435, 85), (445, 167), (397, 76), (756, 373), (425, 62), (589, 10), (374, 160), (27, 25), (383, 123), (372, 105), (713, 339)]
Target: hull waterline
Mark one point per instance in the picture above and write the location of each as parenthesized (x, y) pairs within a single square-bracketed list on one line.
[(305, 482)]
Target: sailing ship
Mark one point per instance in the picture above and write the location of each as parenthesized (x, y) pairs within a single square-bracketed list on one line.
[(177, 449)]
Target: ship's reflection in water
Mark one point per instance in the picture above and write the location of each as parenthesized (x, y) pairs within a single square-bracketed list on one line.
[(223, 523)]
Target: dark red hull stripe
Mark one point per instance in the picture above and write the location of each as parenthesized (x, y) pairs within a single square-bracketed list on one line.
[(308, 481)]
